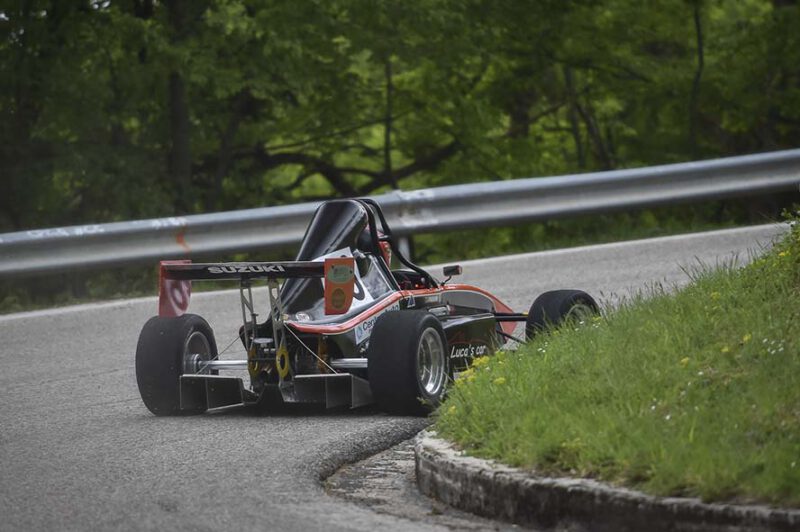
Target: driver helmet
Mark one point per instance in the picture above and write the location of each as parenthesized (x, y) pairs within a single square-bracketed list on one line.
[(365, 244)]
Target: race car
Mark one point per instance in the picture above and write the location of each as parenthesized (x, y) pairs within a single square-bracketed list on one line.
[(343, 327)]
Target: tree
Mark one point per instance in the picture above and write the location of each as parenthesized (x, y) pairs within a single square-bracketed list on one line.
[(135, 108)]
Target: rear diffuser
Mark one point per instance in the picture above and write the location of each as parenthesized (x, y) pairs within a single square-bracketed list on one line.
[(331, 390)]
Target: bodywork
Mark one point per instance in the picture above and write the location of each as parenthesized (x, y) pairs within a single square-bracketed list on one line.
[(307, 351)]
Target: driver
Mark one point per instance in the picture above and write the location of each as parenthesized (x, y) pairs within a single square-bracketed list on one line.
[(365, 244)]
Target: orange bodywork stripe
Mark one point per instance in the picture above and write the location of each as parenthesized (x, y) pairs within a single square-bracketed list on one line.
[(508, 327)]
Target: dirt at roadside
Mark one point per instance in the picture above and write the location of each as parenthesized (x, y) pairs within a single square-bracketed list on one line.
[(386, 483)]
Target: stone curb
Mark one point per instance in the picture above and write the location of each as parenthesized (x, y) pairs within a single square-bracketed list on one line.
[(494, 490)]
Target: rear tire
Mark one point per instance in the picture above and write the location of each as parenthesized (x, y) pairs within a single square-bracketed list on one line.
[(164, 353), (552, 309), (408, 363)]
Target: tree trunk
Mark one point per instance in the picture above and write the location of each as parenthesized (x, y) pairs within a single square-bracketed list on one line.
[(596, 136), (572, 115), (180, 156), (387, 137), (696, 82)]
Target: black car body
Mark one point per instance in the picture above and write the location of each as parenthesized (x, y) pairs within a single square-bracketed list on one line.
[(398, 336)]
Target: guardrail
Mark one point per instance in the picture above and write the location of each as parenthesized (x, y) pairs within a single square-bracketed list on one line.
[(447, 208)]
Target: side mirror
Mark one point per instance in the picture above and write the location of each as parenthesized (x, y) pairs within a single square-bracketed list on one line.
[(451, 271)]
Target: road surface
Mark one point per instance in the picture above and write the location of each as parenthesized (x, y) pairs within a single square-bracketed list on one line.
[(79, 451)]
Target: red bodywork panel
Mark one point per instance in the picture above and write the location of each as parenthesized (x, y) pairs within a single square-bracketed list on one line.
[(173, 295), (340, 283)]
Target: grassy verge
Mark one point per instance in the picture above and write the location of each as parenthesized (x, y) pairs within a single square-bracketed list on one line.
[(695, 393)]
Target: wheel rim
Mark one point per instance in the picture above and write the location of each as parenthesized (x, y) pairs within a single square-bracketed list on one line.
[(431, 363), (580, 312), (196, 349)]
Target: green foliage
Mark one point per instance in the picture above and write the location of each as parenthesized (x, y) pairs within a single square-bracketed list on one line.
[(138, 108), (694, 393), (142, 108)]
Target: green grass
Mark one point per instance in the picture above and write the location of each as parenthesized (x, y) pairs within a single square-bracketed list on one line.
[(694, 393)]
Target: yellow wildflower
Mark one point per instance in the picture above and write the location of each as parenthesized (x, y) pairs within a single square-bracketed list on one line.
[(499, 380), (684, 361), (725, 349), (480, 362), (465, 376), (452, 409), (746, 338)]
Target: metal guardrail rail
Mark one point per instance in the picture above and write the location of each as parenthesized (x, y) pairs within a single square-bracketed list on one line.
[(495, 203)]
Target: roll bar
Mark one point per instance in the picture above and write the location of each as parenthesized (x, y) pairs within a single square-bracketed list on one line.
[(371, 204)]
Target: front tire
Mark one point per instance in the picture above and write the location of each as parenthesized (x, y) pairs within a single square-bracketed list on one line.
[(408, 363), (168, 348), (556, 307)]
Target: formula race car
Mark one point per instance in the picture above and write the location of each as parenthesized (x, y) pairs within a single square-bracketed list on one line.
[(343, 328)]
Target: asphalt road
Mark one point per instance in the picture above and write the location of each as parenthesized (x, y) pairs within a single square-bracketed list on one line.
[(78, 450)]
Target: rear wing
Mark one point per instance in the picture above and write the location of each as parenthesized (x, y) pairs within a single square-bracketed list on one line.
[(175, 279), (237, 271)]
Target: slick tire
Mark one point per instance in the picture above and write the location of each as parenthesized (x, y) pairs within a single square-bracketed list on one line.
[(408, 364), (165, 348), (552, 309)]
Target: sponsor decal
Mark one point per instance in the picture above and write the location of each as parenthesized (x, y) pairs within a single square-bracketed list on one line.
[(173, 295), (364, 329), (339, 285), (339, 273), (251, 268), (360, 295), (468, 350), (338, 298)]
